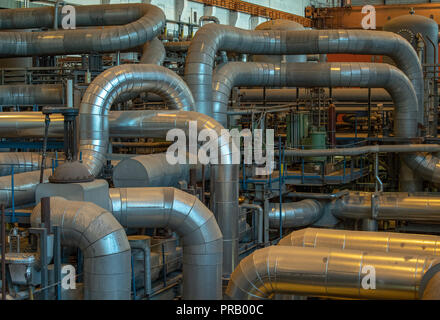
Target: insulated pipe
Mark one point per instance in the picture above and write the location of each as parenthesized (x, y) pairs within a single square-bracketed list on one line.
[(153, 52), (280, 24), (112, 83), (356, 151), (212, 38), (208, 18), (21, 161), (156, 124), (11, 95), (103, 242), (290, 94), (388, 206), (260, 215), (153, 170), (424, 165), (367, 75), (325, 272), (177, 46), (390, 242), (25, 185), (295, 214), (191, 220), (143, 23)]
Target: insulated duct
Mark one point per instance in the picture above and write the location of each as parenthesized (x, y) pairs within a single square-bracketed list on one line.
[(12, 95), (320, 75), (153, 52), (280, 24), (388, 206), (102, 92), (153, 170), (325, 272), (356, 151), (191, 220), (295, 214), (213, 38), (22, 162), (224, 176), (103, 242), (142, 22), (290, 94), (392, 242), (25, 185)]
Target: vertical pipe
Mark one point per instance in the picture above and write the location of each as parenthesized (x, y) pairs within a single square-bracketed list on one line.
[(57, 260), (332, 125), (45, 213), (69, 93), (3, 239)]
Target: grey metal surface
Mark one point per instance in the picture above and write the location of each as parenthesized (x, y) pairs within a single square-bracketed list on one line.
[(388, 206), (372, 75), (356, 151), (21, 161), (295, 214), (290, 94), (212, 38), (153, 170), (102, 240), (279, 24), (327, 272), (191, 220), (31, 94), (153, 52), (102, 92), (225, 181), (25, 185), (391, 242), (133, 25)]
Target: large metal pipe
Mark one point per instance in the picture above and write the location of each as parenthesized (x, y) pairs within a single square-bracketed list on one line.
[(153, 52), (372, 75), (356, 151), (191, 220), (103, 242), (12, 95), (102, 92), (153, 170), (142, 22), (388, 206), (211, 38), (326, 272), (156, 124), (295, 214), (22, 162), (25, 185), (280, 24), (292, 94), (392, 242)]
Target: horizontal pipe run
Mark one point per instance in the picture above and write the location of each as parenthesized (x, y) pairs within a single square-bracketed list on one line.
[(391, 242), (365, 75), (357, 151), (326, 272), (290, 94), (388, 206), (143, 22), (318, 196), (295, 214), (23, 95), (211, 39)]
